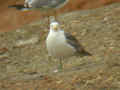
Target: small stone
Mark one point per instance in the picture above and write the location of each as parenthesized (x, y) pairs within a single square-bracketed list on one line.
[(26, 42), (55, 71)]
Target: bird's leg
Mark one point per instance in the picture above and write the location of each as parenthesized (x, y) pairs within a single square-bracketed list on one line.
[(49, 58), (60, 64)]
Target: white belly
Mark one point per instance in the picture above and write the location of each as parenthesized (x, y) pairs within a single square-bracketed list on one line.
[(58, 47)]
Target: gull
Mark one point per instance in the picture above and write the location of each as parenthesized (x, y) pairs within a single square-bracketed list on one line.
[(45, 5), (61, 44)]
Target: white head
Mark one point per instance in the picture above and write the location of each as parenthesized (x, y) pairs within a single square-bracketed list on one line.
[(54, 26)]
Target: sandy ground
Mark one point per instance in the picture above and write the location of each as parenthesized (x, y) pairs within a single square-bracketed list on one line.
[(24, 63)]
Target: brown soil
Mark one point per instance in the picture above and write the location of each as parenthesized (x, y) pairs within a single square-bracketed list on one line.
[(12, 19)]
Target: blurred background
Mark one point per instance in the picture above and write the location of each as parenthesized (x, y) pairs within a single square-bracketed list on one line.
[(12, 19)]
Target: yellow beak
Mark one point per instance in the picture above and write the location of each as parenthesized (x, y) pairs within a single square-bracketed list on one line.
[(55, 27)]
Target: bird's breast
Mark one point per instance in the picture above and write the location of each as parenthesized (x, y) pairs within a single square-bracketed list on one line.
[(57, 46)]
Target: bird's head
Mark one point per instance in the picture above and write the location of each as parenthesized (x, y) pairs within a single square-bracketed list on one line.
[(54, 26)]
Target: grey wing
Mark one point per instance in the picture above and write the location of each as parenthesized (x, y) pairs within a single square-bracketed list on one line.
[(74, 42), (47, 3)]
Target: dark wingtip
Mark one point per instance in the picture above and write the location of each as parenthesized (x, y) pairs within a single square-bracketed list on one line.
[(84, 53), (87, 53)]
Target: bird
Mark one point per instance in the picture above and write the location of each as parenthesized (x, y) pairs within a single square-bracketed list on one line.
[(43, 5), (47, 7), (62, 44)]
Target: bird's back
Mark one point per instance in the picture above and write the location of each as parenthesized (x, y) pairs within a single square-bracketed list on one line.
[(47, 3)]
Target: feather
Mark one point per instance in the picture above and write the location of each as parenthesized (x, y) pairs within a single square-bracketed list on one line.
[(74, 43)]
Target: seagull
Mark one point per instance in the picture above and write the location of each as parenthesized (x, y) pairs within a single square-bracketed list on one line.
[(61, 44), (44, 5)]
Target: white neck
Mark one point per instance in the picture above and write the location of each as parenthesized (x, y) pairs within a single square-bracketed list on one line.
[(52, 30)]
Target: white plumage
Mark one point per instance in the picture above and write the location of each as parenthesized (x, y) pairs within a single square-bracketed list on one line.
[(56, 42), (60, 44)]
